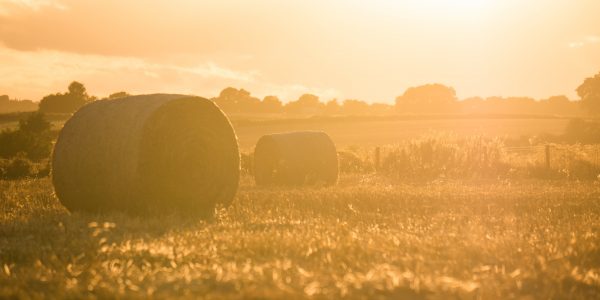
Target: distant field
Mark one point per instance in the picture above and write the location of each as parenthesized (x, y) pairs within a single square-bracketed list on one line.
[(386, 235), (369, 131), (365, 238), (11, 120)]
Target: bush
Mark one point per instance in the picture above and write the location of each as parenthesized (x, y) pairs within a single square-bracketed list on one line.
[(580, 131), (17, 168), (32, 138)]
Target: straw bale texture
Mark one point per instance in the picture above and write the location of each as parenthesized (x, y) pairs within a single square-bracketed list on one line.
[(296, 158), (152, 153)]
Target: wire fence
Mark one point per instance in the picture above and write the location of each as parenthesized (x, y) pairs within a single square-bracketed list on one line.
[(552, 156), (557, 155)]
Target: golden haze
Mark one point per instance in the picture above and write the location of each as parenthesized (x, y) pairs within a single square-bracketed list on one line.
[(363, 50)]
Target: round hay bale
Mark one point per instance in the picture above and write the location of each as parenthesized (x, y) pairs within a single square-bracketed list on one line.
[(296, 158), (152, 153)]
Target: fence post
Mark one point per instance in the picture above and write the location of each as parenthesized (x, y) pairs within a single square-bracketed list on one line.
[(377, 158), (548, 156)]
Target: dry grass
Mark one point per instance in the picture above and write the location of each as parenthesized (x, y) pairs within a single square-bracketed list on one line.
[(448, 156), (373, 131), (364, 238)]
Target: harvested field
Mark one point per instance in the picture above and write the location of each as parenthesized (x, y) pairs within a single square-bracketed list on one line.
[(366, 237)]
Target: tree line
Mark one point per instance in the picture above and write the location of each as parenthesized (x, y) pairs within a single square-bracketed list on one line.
[(8, 105), (424, 99)]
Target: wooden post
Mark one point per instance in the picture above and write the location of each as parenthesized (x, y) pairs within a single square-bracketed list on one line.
[(548, 156), (377, 158)]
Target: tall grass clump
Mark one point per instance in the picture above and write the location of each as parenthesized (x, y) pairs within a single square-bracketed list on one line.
[(355, 161), (442, 156)]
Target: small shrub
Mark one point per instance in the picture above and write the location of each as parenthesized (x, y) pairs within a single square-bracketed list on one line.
[(33, 138), (17, 168), (581, 131)]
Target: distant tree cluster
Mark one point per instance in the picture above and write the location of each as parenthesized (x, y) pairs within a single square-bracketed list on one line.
[(118, 95), (68, 102), (589, 91), (425, 99), (583, 132), (32, 139), (430, 98), (240, 101), (8, 105), (556, 105), (437, 98)]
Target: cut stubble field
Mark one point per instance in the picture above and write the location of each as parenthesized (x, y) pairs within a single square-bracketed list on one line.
[(374, 131), (367, 237)]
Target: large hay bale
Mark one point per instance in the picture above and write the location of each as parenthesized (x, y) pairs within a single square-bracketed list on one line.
[(149, 153), (296, 158)]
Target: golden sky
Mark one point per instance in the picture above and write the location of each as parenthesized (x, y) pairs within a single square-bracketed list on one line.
[(370, 50)]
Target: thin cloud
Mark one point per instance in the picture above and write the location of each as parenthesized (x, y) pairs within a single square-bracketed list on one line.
[(8, 6), (34, 74), (586, 41), (593, 39)]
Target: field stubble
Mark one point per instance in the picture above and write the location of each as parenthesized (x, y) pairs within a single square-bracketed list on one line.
[(365, 238)]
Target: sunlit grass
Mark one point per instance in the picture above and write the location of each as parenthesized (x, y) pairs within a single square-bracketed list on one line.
[(447, 156), (362, 238)]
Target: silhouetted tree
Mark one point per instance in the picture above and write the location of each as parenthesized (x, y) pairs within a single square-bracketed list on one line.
[(589, 91), (580, 131), (429, 98), (306, 104), (68, 102), (7, 105), (560, 105), (36, 123), (332, 107), (77, 89), (271, 104), (355, 107), (118, 95), (33, 137), (232, 100)]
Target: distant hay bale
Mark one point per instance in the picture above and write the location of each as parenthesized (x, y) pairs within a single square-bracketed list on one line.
[(147, 154), (297, 158)]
